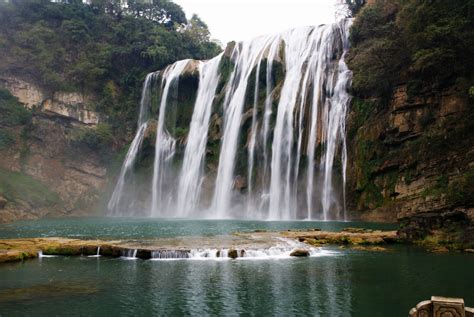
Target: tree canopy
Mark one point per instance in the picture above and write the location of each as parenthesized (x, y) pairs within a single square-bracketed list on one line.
[(426, 44), (102, 47)]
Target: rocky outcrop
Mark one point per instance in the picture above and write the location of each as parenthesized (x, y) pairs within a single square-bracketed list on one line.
[(71, 105), (233, 246), (413, 159), (45, 171), (75, 176)]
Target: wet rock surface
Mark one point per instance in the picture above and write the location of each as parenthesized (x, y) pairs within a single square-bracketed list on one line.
[(238, 245), (300, 253)]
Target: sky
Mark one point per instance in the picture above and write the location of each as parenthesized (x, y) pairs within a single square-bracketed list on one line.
[(240, 20)]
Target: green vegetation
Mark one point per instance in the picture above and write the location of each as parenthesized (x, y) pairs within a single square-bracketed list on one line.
[(461, 191), (17, 186), (6, 139), (94, 138), (362, 109), (438, 188), (12, 112), (426, 44), (103, 49)]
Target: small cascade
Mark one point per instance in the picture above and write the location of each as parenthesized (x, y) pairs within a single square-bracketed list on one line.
[(129, 253), (97, 253), (170, 254), (262, 133), (41, 255), (281, 250)]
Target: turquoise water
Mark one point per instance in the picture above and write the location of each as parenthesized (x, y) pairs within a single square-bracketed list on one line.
[(342, 283), (146, 228), (349, 283)]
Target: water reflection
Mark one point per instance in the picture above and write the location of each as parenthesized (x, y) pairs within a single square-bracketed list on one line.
[(347, 283), (277, 287)]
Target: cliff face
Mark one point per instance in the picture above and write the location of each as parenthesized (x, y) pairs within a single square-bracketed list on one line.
[(44, 170), (415, 156), (411, 152), (70, 105)]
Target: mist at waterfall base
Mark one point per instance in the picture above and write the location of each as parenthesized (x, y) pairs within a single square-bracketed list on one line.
[(263, 138)]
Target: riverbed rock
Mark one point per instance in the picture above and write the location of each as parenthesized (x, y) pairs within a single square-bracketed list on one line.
[(14, 255), (233, 254), (369, 248), (299, 253)]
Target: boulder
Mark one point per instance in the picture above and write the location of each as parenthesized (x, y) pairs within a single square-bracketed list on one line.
[(233, 254), (299, 253)]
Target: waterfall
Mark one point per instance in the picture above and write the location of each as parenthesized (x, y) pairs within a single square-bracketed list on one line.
[(245, 56), (191, 171), (115, 203), (165, 143), (336, 127), (264, 131)]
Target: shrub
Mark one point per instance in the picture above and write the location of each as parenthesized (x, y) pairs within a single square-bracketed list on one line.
[(94, 138), (12, 112), (6, 139)]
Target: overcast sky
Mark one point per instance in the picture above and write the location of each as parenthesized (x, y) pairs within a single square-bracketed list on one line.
[(244, 19)]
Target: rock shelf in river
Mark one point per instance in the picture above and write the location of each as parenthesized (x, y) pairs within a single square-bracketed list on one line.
[(238, 245)]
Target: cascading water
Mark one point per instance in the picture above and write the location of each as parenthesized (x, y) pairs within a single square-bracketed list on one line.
[(165, 144), (265, 138), (191, 172), (116, 201)]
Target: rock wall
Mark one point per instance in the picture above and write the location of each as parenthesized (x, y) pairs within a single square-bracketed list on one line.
[(71, 105), (413, 159), (46, 155)]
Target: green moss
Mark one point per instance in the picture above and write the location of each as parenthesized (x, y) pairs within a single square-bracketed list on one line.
[(471, 92), (372, 197), (445, 240), (57, 250), (409, 175), (226, 67), (439, 188), (392, 180), (461, 191), (17, 186), (362, 109), (180, 104), (213, 150)]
